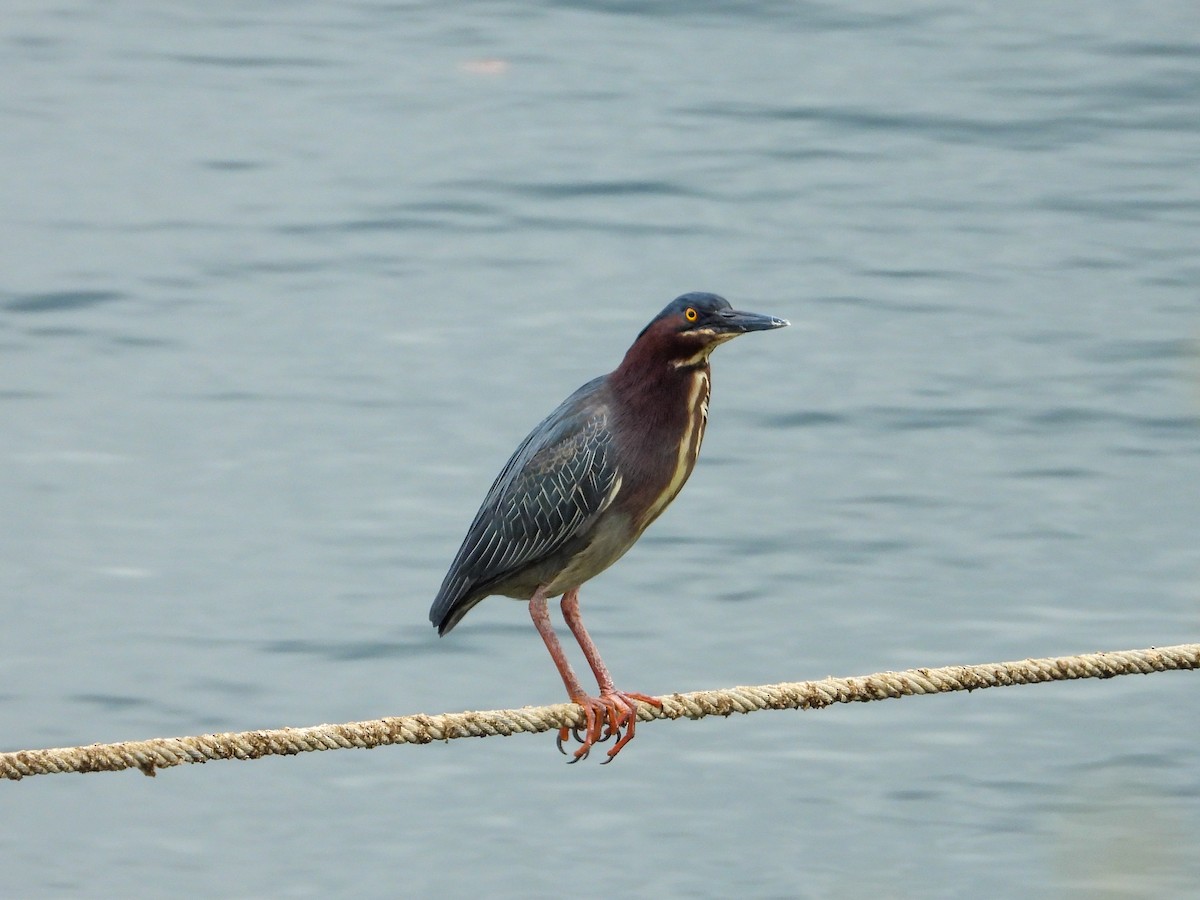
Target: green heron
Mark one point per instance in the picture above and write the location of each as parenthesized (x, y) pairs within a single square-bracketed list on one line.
[(584, 485)]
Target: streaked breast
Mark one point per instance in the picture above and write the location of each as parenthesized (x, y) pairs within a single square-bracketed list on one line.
[(698, 391)]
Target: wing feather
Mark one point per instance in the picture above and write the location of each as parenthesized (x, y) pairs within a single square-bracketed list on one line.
[(550, 491)]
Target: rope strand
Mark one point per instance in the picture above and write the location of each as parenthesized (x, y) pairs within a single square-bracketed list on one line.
[(161, 753)]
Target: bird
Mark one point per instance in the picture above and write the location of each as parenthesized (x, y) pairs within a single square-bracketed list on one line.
[(582, 487)]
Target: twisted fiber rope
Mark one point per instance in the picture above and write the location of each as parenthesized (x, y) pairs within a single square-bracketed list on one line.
[(161, 753)]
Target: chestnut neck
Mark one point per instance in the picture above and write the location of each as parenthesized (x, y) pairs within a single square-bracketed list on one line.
[(654, 381)]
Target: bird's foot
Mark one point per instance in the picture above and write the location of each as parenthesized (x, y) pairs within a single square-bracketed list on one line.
[(612, 714)]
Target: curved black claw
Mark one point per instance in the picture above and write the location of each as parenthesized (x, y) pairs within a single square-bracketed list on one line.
[(565, 732), (622, 740), (577, 732)]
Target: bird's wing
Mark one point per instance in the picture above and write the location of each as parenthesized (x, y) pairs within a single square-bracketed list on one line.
[(551, 489)]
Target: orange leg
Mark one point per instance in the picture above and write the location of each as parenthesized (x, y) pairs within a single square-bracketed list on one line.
[(594, 711), (604, 716), (618, 708)]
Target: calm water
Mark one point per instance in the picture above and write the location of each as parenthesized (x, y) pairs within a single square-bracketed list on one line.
[(283, 284)]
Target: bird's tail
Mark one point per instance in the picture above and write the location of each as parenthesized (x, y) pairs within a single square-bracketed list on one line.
[(453, 601)]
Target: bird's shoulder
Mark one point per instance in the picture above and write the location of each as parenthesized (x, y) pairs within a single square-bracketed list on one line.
[(567, 444)]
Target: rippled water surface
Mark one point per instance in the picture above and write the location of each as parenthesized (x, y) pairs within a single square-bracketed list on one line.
[(282, 285)]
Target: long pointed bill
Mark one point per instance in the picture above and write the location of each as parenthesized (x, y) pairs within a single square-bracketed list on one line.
[(737, 322)]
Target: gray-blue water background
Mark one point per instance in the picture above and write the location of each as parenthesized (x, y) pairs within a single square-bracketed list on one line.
[(282, 285)]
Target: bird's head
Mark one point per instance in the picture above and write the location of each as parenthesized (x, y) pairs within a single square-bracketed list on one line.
[(691, 326)]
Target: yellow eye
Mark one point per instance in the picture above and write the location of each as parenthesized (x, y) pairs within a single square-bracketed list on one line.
[(690, 314)]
